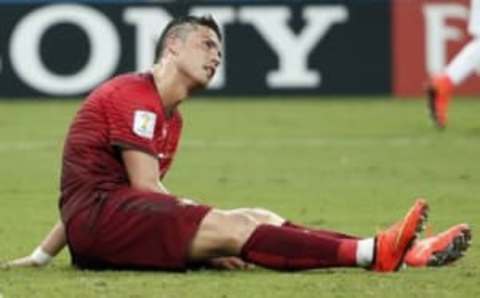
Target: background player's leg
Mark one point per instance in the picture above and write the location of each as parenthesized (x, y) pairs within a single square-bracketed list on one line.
[(468, 59), (465, 63), (474, 21)]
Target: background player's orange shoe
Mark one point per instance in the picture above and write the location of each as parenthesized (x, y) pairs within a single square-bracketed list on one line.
[(392, 244), (439, 94), (440, 249)]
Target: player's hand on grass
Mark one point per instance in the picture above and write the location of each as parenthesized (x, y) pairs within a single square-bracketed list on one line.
[(230, 263), (20, 262), (38, 258)]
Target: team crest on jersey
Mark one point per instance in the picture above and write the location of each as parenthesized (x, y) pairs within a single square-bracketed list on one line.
[(144, 124)]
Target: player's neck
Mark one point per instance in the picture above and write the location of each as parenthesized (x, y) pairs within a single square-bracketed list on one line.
[(171, 92)]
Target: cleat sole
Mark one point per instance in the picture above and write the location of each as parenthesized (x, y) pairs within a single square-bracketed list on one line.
[(454, 251)]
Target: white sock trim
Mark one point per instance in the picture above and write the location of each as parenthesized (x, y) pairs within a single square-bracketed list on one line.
[(365, 248)]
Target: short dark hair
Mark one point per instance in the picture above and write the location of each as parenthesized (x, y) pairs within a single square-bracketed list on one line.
[(177, 26)]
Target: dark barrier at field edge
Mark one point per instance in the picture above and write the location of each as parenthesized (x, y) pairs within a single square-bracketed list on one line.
[(336, 47)]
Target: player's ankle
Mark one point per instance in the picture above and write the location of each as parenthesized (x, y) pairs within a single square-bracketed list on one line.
[(365, 252)]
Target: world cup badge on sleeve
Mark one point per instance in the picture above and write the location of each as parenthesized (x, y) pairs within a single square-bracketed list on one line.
[(144, 124)]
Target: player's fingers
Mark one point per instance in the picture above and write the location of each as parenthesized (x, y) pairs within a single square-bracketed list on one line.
[(22, 262), (228, 265), (240, 264), (237, 263), (220, 263)]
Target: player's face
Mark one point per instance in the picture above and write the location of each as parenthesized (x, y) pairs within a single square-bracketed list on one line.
[(199, 55)]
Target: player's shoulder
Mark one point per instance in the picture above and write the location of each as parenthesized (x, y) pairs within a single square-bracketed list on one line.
[(124, 88), (131, 78), (125, 82)]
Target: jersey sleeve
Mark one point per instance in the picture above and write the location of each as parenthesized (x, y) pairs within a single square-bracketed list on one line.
[(131, 123)]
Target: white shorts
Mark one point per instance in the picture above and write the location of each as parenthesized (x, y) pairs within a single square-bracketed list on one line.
[(474, 22)]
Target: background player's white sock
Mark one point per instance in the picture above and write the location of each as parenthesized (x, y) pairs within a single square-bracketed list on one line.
[(465, 62), (365, 249)]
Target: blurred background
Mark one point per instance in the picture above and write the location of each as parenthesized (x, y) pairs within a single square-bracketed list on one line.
[(324, 47), (344, 151)]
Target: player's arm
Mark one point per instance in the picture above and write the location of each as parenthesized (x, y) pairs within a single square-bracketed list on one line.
[(143, 171), (55, 241), (51, 245)]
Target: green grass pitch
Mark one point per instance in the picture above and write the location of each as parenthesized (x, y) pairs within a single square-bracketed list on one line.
[(352, 164)]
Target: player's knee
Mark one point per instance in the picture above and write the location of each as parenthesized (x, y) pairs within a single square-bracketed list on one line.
[(222, 233), (270, 217), (236, 230)]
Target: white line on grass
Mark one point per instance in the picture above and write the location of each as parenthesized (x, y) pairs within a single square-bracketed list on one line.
[(229, 143), (304, 142), (323, 142), (26, 146)]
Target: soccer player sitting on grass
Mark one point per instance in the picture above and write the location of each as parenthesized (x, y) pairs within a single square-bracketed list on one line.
[(116, 213)]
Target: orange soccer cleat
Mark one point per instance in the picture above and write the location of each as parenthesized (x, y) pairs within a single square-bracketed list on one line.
[(441, 249), (392, 244), (439, 93)]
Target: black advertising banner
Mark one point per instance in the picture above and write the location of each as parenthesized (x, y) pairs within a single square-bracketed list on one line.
[(332, 47)]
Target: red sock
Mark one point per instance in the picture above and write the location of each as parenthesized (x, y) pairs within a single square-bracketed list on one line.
[(285, 248), (320, 231)]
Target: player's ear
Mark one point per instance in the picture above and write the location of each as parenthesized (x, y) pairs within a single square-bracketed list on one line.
[(173, 44)]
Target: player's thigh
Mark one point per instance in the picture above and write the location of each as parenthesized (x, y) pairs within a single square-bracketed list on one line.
[(474, 21), (136, 230), (222, 233)]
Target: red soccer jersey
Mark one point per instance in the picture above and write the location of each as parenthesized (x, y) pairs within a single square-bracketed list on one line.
[(126, 111)]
